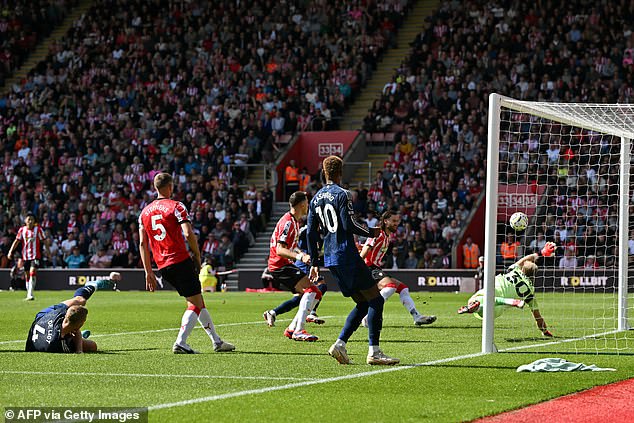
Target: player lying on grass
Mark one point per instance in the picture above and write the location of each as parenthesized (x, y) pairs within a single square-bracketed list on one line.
[(57, 329), (286, 306), (331, 214), (373, 252), (282, 255), (514, 289)]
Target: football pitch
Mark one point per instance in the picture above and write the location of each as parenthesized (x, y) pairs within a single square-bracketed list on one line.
[(442, 376)]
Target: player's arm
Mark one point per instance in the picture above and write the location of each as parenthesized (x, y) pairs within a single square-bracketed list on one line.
[(192, 240), (282, 250), (79, 341), (350, 224), (547, 251), (14, 245), (312, 240), (541, 323), (367, 247), (150, 278)]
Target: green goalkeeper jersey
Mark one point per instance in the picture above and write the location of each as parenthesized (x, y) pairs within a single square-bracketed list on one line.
[(515, 284)]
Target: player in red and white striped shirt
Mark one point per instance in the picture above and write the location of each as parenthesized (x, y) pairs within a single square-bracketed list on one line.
[(373, 252), (282, 255), (32, 238)]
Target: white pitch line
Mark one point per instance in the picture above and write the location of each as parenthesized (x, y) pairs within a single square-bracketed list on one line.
[(141, 332), (18, 372), (308, 383), (545, 344)]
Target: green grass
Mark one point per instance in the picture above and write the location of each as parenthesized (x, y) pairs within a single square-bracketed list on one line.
[(444, 392)]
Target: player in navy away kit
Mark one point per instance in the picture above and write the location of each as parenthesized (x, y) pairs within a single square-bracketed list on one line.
[(57, 329), (286, 306), (331, 213)]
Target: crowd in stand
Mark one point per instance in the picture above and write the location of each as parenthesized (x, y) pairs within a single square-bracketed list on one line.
[(198, 89), (194, 88), (436, 103), (23, 25)]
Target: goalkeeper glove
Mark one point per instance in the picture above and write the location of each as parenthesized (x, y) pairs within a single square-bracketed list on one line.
[(548, 249)]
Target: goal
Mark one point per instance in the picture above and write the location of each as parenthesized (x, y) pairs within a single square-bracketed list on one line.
[(567, 166)]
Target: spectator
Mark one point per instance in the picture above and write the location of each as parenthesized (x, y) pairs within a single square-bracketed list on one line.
[(411, 262), (470, 252), (75, 260), (568, 261), (100, 260), (291, 178), (508, 250)]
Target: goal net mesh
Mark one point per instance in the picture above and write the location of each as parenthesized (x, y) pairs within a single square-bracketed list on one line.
[(560, 164)]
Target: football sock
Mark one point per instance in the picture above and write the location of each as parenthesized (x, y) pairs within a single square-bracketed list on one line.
[(340, 343), (188, 322), (323, 288), (353, 321), (205, 321), (30, 285), (408, 303), (287, 306), (373, 349), (85, 291), (304, 307), (375, 319), (505, 301), (387, 292)]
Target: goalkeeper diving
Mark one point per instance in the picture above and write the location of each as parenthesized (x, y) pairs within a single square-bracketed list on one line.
[(514, 288)]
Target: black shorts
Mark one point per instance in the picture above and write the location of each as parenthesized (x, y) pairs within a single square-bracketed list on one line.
[(378, 274), (288, 276), (183, 277), (353, 277), (28, 264)]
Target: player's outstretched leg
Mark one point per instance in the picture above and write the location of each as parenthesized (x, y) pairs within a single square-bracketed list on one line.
[(409, 305), (471, 307), (286, 306)]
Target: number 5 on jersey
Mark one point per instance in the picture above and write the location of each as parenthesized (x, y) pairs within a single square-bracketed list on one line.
[(156, 226)]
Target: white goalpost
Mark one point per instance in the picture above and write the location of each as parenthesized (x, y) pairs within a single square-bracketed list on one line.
[(567, 166)]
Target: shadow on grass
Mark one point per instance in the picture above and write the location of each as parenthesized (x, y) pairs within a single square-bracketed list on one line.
[(284, 353), (393, 341), (432, 327)]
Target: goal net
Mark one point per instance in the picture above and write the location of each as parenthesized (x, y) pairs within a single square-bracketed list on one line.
[(567, 167)]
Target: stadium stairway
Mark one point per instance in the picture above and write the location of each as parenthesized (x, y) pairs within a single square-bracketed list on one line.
[(361, 172), (257, 255), (41, 50), (392, 59)]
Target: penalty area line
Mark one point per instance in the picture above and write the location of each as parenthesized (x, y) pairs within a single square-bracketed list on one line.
[(308, 383)]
